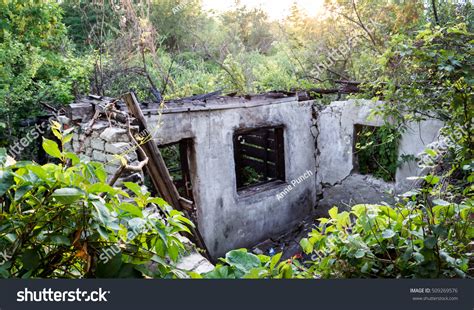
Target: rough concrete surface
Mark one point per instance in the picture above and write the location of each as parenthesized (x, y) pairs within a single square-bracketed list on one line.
[(353, 190), (322, 144), (227, 219), (414, 141), (337, 180)]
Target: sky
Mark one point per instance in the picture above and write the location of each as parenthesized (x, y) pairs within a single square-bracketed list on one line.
[(276, 9)]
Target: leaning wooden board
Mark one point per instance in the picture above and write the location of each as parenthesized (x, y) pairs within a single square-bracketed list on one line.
[(158, 171)]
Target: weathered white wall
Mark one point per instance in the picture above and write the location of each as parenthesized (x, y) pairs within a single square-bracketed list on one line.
[(337, 181), (414, 141), (336, 134), (226, 219)]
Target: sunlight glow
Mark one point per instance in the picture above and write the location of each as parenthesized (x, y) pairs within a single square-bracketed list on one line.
[(276, 9)]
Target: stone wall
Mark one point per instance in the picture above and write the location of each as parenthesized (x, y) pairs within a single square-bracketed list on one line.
[(101, 141)]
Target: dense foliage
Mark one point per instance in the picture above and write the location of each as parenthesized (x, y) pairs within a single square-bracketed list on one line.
[(64, 221), (410, 240), (59, 219), (240, 264), (430, 75), (179, 49), (37, 63), (376, 150)]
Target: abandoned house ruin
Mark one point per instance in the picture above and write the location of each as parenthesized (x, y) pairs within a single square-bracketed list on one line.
[(251, 167)]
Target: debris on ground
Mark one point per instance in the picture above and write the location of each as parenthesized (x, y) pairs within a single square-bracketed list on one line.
[(288, 243)]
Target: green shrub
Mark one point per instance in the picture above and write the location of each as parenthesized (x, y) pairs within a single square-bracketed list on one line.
[(377, 151), (411, 240), (38, 65), (240, 264), (64, 221)]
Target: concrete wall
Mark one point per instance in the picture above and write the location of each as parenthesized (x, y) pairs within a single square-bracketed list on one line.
[(320, 143), (337, 181), (228, 219), (414, 141)]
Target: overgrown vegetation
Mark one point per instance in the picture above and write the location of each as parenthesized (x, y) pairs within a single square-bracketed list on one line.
[(37, 64), (64, 221), (376, 150), (57, 219), (414, 239)]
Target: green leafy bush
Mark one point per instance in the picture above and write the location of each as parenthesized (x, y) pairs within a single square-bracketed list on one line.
[(38, 64), (240, 264), (429, 75), (64, 221), (377, 151), (411, 240)]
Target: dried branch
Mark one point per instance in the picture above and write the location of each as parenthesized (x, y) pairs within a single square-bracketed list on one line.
[(361, 24), (125, 166)]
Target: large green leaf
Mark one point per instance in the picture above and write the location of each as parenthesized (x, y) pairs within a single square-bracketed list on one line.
[(388, 233), (220, 272), (131, 208), (359, 253), (275, 260), (430, 242), (102, 213), (39, 171), (6, 181), (51, 148), (134, 187), (101, 188), (30, 259), (59, 239), (21, 191), (109, 266), (333, 212), (67, 195), (242, 260), (306, 245)]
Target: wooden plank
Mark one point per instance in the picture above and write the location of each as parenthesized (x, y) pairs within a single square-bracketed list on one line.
[(262, 154), (280, 153), (266, 135), (184, 153), (187, 205), (159, 172), (260, 141), (218, 104), (260, 167), (238, 163), (156, 165)]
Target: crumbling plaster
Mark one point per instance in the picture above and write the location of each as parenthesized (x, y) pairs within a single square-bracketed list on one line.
[(228, 219), (337, 181)]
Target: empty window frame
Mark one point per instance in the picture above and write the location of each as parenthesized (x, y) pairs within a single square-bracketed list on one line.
[(376, 151), (176, 157), (259, 156)]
